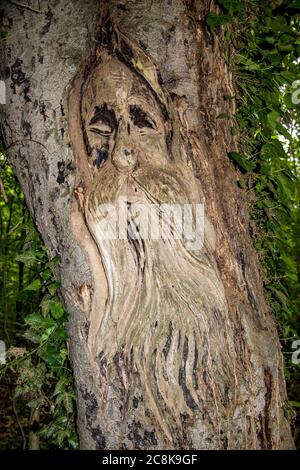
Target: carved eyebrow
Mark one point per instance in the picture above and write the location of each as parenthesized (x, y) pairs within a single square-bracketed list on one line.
[(104, 115), (140, 118)]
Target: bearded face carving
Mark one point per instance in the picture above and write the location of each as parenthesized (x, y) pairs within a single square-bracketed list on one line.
[(153, 334), (122, 120)]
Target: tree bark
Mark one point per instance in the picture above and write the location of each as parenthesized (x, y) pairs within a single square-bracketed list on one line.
[(169, 348)]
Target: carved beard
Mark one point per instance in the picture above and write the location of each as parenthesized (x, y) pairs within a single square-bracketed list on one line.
[(157, 316)]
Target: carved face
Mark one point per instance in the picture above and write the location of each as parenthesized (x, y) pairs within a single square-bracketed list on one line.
[(122, 120), (160, 297)]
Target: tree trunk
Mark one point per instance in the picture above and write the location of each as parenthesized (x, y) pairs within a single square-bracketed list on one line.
[(172, 344)]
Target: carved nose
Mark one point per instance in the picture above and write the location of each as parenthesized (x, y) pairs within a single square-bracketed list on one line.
[(124, 155)]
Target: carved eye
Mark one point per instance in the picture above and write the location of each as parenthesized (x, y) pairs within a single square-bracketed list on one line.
[(101, 131), (103, 121), (140, 118)]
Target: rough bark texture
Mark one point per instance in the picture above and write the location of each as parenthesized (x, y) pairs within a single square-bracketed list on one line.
[(197, 362)]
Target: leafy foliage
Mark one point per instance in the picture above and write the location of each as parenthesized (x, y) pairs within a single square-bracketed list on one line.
[(262, 41), (34, 321)]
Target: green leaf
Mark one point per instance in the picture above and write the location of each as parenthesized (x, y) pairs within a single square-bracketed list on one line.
[(288, 76), (51, 356), (61, 385), (286, 39), (47, 333), (285, 47), (283, 131), (29, 258), (242, 161), (34, 286), (278, 24), (273, 118), (287, 99), (53, 262), (63, 354), (45, 304), (271, 150), (73, 442), (295, 404), (34, 318), (38, 320), (68, 403), (32, 336), (61, 334), (46, 274), (52, 288), (57, 310), (36, 402), (233, 6), (213, 20), (294, 4)]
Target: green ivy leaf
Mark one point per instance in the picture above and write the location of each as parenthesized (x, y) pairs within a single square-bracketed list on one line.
[(45, 304), (68, 403), (283, 131), (52, 288), (63, 354), (61, 334), (53, 263), (242, 161), (273, 118), (61, 385), (46, 274), (34, 286), (213, 20), (294, 404), (32, 336), (51, 356), (36, 319), (29, 258), (233, 6), (36, 402), (57, 310), (295, 4), (47, 333)]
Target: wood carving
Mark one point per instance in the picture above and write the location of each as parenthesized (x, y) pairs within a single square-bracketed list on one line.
[(172, 343), (159, 329)]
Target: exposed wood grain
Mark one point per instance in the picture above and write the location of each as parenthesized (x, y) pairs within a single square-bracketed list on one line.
[(170, 348)]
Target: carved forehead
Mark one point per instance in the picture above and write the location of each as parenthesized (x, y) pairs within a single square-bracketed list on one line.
[(113, 82)]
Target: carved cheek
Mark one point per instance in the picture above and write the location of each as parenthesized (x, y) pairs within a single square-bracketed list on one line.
[(98, 149), (99, 156), (153, 148)]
